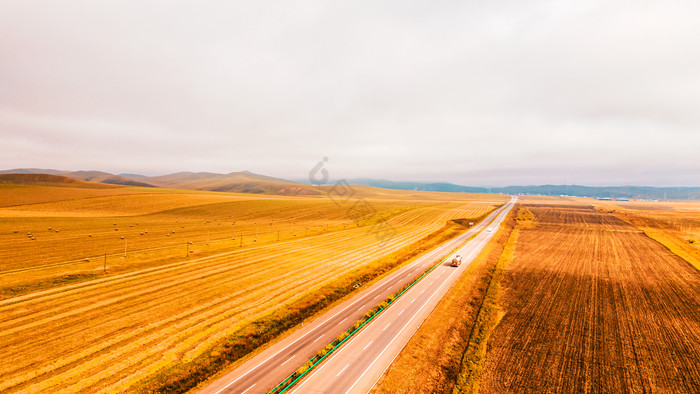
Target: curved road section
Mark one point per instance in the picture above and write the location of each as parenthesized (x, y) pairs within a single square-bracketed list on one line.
[(358, 365)]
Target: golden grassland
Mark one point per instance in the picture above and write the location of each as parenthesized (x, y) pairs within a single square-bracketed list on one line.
[(236, 349), (70, 326)]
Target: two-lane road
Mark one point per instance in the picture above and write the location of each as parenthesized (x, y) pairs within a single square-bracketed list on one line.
[(264, 371), (356, 367)]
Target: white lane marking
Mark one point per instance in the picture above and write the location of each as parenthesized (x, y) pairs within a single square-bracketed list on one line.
[(319, 337), (422, 291), (412, 301), (402, 310), (341, 322), (367, 345), (288, 360), (248, 389), (387, 326), (341, 371)]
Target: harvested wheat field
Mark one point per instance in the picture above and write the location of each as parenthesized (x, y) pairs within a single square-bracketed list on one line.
[(157, 307), (591, 304), (89, 230)]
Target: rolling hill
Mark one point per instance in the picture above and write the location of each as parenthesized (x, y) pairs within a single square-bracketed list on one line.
[(235, 182), (47, 180), (104, 177), (248, 182), (87, 176)]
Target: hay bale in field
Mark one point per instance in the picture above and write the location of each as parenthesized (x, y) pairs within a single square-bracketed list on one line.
[(90, 235), (116, 229), (142, 233), (87, 260), (49, 228), (121, 237)]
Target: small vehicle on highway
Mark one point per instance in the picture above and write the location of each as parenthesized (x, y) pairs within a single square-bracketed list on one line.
[(456, 261)]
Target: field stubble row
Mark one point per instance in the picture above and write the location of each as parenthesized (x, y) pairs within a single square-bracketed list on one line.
[(115, 331)]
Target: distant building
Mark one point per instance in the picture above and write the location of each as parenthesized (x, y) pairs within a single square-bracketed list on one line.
[(622, 199), (605, 198)]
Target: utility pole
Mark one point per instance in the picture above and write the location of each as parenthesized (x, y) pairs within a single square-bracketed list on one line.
[(256, 231), (187, 249), (125, 243), (278, 235), (241, 241)]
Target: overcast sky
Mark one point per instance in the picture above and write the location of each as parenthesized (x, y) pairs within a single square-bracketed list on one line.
[(482, 93)]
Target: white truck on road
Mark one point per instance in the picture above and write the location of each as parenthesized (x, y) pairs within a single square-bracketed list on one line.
[(456, 261)]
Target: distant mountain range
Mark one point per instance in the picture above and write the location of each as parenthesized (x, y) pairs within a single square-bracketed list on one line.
[(248, 182), (235, 182), (630, 192), (428, 187)]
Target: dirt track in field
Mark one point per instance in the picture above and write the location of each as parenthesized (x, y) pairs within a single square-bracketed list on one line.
[(592, 304)]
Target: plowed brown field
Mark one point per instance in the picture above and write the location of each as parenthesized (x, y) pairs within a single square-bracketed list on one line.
[(591, 304)]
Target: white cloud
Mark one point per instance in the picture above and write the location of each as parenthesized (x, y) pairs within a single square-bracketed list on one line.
[(483, 93)]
